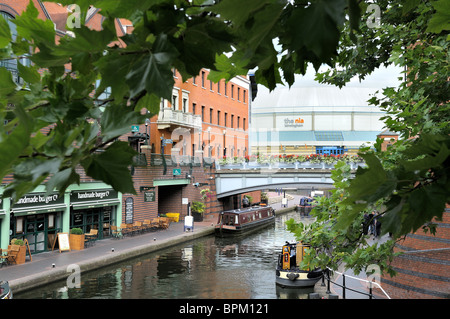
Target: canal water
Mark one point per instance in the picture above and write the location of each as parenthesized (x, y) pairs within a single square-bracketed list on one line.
[(209, 267)]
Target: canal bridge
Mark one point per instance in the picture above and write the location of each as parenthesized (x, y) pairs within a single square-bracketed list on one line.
[(233, 179)]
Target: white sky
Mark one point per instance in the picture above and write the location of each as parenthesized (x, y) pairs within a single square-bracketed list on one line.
[(380, 78)]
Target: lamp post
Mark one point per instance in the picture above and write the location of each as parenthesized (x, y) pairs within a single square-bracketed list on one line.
[(147, 122)]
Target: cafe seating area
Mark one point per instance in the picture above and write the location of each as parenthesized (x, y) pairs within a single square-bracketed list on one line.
[(137, 228), (89, 238)]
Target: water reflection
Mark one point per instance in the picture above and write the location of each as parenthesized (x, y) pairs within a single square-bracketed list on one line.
[(209, 267)]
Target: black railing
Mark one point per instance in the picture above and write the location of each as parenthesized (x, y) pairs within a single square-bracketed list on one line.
[(344, 287)]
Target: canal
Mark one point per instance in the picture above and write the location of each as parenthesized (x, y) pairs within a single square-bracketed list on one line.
[(209, 267)]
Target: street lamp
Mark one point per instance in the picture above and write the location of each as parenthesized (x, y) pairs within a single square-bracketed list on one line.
[(147, 123)]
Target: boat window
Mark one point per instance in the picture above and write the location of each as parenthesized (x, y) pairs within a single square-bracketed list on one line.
[(236, 221)]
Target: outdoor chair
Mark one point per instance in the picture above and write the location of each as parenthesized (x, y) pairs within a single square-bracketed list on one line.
[(137, 227), (3, 258), (89, 238), (147, 224), (126, 230), (116, 232), (13, 251), (155, 223), (164, 222)]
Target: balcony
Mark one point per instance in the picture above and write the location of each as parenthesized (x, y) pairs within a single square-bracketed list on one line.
[(170, 119)]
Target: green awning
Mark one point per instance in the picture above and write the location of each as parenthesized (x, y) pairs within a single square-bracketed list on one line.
[(95, 203), (38, 209)]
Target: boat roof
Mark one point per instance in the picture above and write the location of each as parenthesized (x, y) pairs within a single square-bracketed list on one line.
[(245, 210)]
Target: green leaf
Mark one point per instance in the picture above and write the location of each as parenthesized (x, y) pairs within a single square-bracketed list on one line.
[(152, 72), (29, 74), (7, 85), (117, 120), (227, 68), (111, 166), (62, 179), (201, 42), (85, 40), (5, 32), (441, 19), (15, 142), (34, 29), (371, 183), (316, 27)]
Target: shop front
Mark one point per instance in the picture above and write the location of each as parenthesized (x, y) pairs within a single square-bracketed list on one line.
[(37, 218), (94, 209)]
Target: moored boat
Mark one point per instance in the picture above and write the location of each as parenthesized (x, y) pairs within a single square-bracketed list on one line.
[(288, 273), (305, 206), (245, 220), (5, 290)]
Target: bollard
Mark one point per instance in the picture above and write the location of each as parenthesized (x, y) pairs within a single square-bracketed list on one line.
[(314, 295)]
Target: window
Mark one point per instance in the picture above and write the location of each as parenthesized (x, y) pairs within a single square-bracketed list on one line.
[(232, 120), (210, 85), (218, 87), (174, 101), (243, 123), (194, 80), (243, 96), (218, 117), (185, 107), (225, 88), (193, 108), (238, 122), (239, 93), (203, 79), (225, 119), (185, 101), (232, 91), (210, 115), (203, 113)]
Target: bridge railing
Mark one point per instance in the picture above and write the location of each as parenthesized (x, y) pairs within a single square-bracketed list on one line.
[(220, 165)]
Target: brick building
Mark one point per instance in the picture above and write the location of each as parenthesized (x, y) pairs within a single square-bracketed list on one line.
[(423, 268), (177, 147)]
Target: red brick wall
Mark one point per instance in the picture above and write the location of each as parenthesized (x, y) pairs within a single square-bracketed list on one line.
[(168, 198), (217, 101), (423, 270)]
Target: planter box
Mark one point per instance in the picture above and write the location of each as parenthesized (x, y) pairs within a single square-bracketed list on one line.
[(76, 242), (21, 254), (198, 217)]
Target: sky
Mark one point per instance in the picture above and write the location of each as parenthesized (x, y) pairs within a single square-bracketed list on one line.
[(380, 78)]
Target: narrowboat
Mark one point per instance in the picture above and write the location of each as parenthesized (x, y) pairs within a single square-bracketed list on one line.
[(288, 273), (305, 206), (244, 220), (5, 291)]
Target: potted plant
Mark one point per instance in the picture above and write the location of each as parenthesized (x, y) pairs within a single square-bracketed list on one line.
[(76, 239), (197, 209), (264, 198), (21, 254)]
